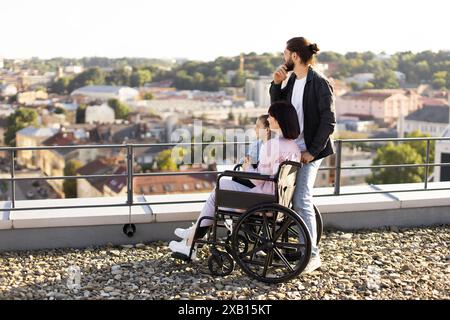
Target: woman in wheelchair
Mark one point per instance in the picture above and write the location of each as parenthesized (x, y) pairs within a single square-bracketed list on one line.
[(283, 122)]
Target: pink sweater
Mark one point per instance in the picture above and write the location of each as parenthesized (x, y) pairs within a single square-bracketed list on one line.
[(271, 155)]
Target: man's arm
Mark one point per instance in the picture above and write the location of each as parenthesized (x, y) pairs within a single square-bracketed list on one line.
[(327, 119)]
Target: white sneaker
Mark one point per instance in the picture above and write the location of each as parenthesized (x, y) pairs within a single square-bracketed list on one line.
[(314, 264), (181, 247), (183, 233)]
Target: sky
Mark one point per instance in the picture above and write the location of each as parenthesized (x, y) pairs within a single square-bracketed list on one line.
[(207, 29)]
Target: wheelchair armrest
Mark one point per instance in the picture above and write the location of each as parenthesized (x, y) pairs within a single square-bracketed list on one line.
[(237, 167), (246, 175)]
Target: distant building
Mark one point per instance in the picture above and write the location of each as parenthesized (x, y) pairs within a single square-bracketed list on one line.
[(73, 69), (354, 124), (383, 105), (117, 186), (432, 120), (30, 97), (104, 93), (52, 162), (7, 90), (442, 155), (360, 78), (93, 187), (100, 114), (2, 64), (31, 137), (175, 183), (257, 90)]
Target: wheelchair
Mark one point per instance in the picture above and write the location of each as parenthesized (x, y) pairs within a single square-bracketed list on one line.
[(267, 239)]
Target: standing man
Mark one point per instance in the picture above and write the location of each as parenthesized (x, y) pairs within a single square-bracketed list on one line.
[(312, 96)]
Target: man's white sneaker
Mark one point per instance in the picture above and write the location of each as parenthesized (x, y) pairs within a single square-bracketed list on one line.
[(181, 247), (183, 233), (314, 264)]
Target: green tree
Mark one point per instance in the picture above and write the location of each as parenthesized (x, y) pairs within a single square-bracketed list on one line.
[(81, 113), (439, 80), (140, 77), (93, 76), (421, 147), (70, 185), (60, 86), (385, 79), (400, 154), (20, 119), (59, 110), (118, 77), (121, 110), (165, 161), (148, 96)]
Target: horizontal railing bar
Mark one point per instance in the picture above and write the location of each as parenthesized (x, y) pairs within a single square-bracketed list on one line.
[(381, 166), (198, 201), (100, 205), (64, 177), (76, 146), (375, 192), (151, 174), (393, 139), (105, 146), (327, 168), (142, 145)]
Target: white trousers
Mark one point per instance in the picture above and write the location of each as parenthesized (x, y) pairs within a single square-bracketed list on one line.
[(209, 207)]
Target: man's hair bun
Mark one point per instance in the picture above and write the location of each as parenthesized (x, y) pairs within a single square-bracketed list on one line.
[(314, 48)]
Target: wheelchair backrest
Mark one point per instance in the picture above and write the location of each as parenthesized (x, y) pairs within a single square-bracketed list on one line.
[(286, 178)]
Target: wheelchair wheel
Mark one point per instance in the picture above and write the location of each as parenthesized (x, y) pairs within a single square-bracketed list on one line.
[(282, 248), (319, 224), (220, 263)]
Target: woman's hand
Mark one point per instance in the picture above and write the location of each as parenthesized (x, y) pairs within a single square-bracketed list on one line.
[(307, 157), (247, 163), (280, 75)]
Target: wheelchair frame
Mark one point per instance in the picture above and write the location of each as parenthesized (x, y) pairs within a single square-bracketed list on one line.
[(262, 211)]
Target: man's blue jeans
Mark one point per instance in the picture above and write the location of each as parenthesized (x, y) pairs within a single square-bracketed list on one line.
[(302, 200)]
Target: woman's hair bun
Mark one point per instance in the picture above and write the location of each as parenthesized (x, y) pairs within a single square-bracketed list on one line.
[(314, 48)]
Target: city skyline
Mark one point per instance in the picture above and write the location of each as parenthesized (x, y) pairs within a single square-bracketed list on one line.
[(200, 30)]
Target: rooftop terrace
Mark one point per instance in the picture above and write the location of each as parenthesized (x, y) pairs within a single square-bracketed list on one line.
[(376, 264), (368, 252)]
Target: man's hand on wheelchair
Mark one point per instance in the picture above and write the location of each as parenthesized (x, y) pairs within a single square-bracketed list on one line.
[(307, 157)]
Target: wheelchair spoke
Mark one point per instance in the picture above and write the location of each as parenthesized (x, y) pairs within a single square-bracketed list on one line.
[(283, 228), (287, 245), (294, 232), (266, 227), (257, 236), (267, 262), (283, 259)]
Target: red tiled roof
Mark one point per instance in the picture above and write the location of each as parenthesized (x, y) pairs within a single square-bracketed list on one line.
[(117, 183), (175, 184), (433, 101), (60, 139), (93, 167), (367, 95)]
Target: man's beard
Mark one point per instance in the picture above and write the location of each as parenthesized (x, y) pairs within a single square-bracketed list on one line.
[(289, 65)]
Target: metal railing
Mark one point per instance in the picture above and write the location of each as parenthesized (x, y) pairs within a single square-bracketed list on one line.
[(130, 174)]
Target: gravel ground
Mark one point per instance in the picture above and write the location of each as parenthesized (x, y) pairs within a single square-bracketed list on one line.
[(375, 264)]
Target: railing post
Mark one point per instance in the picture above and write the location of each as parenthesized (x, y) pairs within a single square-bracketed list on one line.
[(13, 182), (427, 162), (130, 174), (337, 178)]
